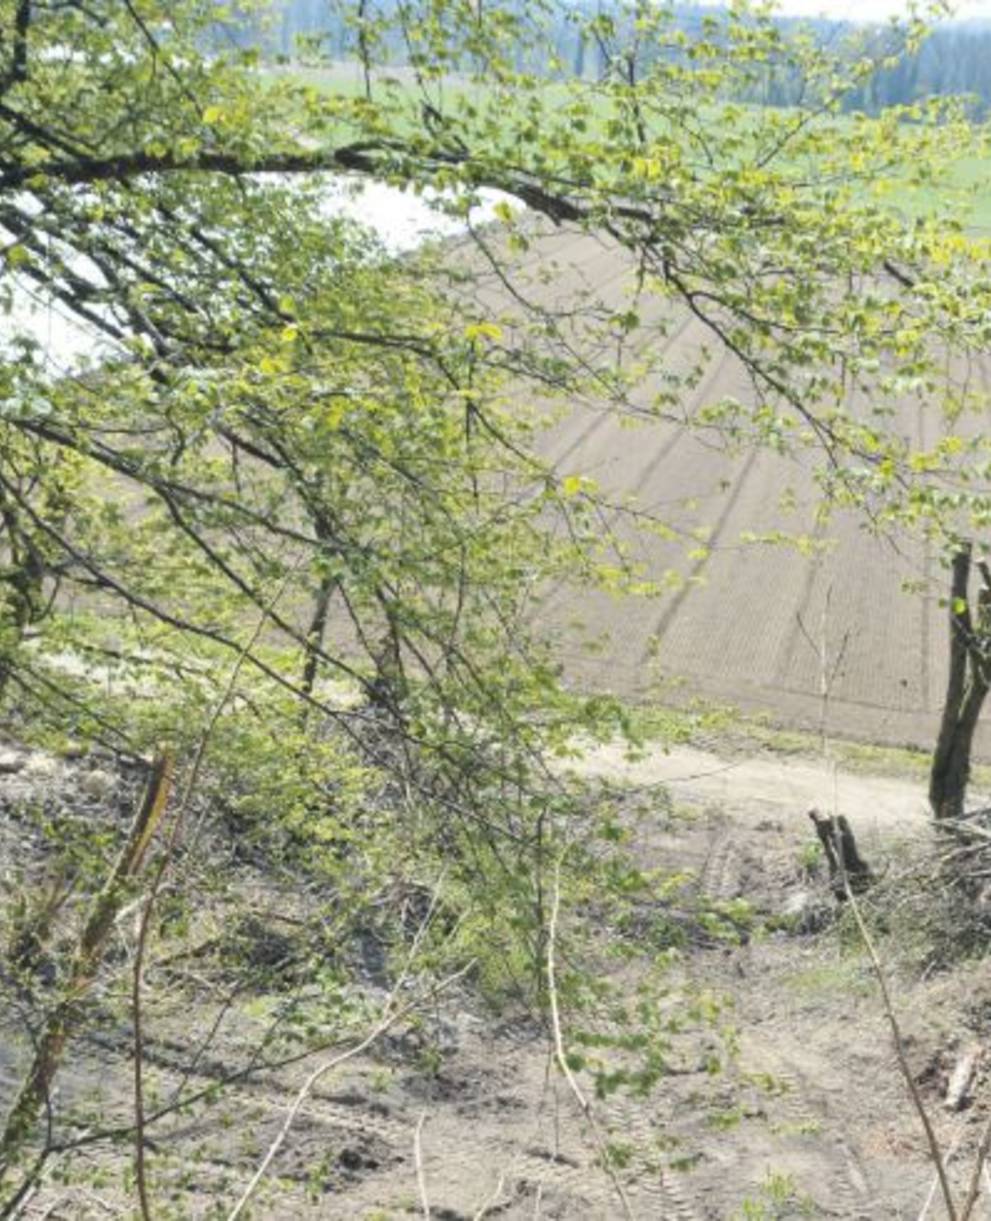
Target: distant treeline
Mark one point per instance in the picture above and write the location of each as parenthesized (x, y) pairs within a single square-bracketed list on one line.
[(954, 60)]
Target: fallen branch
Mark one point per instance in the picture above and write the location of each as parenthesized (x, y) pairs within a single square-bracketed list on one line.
[(492, 1201), (421, 1178), (958, 1091)]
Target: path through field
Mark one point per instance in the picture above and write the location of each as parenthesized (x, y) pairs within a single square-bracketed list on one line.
[(752, 786)]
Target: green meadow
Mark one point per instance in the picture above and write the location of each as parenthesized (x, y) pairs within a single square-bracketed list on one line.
[(960, 191)]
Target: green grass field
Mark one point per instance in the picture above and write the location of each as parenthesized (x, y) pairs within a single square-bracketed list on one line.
[(963, 194)]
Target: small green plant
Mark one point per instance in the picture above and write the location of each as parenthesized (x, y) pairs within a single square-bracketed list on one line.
[(726, 1119), (810, 859), (619, 1154), (780, 1198), (430, 1060), (803, 1127), (381, 1079)]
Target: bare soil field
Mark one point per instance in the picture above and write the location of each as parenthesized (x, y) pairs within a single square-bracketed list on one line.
[(783, 1102), (744, 623)]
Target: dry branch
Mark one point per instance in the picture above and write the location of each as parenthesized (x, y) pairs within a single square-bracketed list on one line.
[(36, 1088), (959, 1089)]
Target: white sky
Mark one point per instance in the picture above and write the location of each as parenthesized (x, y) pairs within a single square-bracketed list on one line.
[(878, 10), (401, 219)]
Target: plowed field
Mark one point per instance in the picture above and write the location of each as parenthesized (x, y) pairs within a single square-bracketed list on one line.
[(749, 623)]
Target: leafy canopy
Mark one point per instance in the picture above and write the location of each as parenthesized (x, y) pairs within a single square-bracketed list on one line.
[(285, 423)]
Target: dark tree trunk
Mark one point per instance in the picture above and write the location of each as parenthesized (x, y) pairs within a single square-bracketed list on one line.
[(846, 865), (22, 577), (966, 690), (315, 633)]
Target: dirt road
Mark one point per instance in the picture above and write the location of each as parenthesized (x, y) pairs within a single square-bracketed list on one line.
[(759, 786)]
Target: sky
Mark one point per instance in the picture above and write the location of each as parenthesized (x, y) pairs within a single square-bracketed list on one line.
[(876, 10), (401, 219)]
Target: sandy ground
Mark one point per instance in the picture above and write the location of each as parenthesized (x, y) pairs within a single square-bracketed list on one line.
[(806, 1118)]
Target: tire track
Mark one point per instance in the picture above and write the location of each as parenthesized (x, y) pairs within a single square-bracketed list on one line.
[(815, 561), (678, 599), (265, 1088), (576, 1173), (678, 1205), (807, 1113), (641, 647), (603, 417), (719, 877), (645, 1180)]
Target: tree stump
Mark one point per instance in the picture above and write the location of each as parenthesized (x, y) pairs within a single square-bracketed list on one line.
[(846, 865)]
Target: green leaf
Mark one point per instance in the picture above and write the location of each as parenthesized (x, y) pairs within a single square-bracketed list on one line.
[(483, 330)]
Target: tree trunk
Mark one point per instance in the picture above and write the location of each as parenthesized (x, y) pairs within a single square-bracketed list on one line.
[(62, 1019), (966, 690), (315, 634)]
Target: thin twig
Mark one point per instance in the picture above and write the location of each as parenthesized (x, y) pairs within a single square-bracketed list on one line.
[(491, 1200), (388, 1020), (934, 1185), (560, 1055)]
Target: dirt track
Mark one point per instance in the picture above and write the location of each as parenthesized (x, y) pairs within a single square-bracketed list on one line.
[(754, 786), (733, 631)]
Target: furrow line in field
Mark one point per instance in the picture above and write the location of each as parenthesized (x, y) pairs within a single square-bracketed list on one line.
[(604, 417), (677, 601)]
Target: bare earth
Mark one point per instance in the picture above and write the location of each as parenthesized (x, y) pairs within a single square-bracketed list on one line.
[(744, 622), (809, 1118)]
